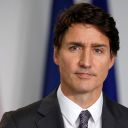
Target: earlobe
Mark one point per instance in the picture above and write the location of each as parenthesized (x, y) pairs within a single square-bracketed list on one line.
[(55, 56), (112, 62)]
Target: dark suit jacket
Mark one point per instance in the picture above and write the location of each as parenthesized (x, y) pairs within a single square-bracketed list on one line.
[(46, 114)]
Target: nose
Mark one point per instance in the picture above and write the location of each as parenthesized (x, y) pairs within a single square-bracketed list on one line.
[(85, 59)]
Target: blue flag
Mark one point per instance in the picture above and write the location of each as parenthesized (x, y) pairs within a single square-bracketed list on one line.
[(52, 78), (110, 85)]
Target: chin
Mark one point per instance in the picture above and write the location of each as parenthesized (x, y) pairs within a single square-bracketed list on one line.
[(86, 87)]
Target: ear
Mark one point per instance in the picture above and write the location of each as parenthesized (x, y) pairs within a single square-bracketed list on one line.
[(112, 61), (56, 56)]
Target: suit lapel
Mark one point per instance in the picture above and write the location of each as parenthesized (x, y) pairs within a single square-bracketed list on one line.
[(50, 114), (107, 119)]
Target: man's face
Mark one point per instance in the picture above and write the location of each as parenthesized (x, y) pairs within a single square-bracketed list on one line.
[(83, 59)]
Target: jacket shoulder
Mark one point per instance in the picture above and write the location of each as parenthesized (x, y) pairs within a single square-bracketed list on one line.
[(27, 111), (122, 110), (117, 109), (22, 117)]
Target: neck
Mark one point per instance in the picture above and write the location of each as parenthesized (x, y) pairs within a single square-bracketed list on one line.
[(84, 100)]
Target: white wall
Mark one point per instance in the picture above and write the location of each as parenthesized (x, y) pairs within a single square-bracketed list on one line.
[(119, 10), (23, 32), (23, 37)]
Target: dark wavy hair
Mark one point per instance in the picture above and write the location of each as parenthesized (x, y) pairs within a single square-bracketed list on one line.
[(87, 14)]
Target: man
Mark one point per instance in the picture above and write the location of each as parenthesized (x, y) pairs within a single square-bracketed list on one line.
[(85, 47)]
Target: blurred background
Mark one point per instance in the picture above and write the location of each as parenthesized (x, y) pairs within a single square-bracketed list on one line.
[(25, 27)]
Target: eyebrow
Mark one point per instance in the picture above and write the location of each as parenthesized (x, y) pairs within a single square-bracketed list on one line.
[(99, 45), (93, 44), (75, 43)]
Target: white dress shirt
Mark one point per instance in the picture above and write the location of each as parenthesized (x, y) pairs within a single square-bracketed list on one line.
[(70, 111)]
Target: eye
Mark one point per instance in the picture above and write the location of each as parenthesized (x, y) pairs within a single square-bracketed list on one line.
[(98, 50), (74, 48)]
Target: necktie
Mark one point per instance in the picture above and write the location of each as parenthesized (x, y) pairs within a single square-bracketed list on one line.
[(84, 117)]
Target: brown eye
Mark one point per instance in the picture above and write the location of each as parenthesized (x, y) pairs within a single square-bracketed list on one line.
[(98, 50), (74, 48)]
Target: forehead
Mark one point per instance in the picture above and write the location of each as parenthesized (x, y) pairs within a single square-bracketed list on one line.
[(86, 34)]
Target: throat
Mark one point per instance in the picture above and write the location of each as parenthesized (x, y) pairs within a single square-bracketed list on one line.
[(84, 101)]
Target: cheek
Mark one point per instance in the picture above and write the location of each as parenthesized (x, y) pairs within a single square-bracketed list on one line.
[(103, 68), (67, 64)]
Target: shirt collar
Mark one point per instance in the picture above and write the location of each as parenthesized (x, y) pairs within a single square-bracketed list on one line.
[(96, 109), (71, 110)]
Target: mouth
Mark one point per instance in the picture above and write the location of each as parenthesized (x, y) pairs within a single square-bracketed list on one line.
[(84, 75)]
